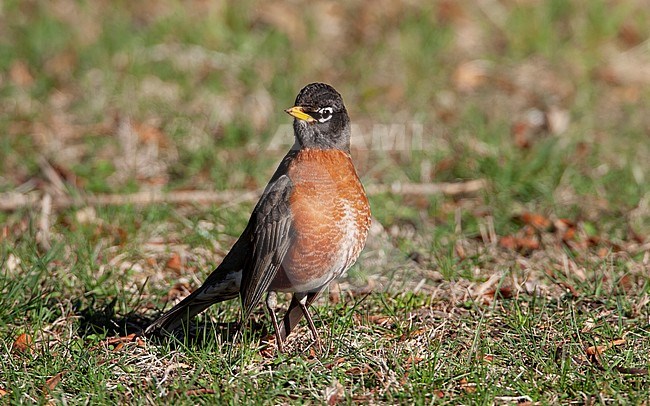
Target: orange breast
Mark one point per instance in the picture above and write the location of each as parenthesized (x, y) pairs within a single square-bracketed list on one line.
[(331, 218)]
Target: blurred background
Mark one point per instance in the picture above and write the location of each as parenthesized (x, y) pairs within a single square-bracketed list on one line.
[(505, 145), (545, 101)]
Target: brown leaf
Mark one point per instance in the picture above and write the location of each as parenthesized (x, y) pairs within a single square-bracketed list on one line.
[(470, 75), (528, 243), (467, 386), (117, 341), (177, 291), (569, 234), (508, 241), (199, 392), (335, 293), (504, 292), (337, 361), (149, 134), (602, 252), (488, 358), (20, 75), (566, 229), (519, 243), (520, 134), (23, 344), (412, 361), (51, 383), (450, 11), (599, 349), (380, 320), (460, 251), (536, 220), (3, 392), (363, 369), (269, 350), (334, 393), (174, 263), (570, 288), (629, 35)]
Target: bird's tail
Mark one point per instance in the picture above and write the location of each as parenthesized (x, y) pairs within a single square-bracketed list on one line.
[(221, 285)]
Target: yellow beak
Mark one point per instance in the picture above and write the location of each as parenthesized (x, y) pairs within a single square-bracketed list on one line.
[(300, 114)]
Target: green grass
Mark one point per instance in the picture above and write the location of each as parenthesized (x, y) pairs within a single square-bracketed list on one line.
[(122, 98)]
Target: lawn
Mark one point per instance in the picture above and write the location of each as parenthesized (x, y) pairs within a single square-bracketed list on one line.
[(504, 145)]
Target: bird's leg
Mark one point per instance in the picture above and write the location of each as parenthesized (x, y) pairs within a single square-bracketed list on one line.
[(302, 302), (294, 314), (271, 305)]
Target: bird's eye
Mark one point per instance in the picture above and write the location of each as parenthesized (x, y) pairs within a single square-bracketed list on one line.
[(323, 114)]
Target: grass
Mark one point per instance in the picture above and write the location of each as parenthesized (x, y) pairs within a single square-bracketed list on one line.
[(494, 297)]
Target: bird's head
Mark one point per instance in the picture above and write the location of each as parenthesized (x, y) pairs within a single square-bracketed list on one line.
[(320, 118)]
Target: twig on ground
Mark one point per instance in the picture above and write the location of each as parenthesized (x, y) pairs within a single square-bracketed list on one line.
[(11, 201), (43, 236)]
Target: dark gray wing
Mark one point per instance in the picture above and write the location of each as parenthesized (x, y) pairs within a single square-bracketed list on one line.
[(271, 237)]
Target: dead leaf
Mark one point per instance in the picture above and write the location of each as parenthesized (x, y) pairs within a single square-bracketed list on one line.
[(337, 361), (174, 263), (508, 241), (536, 220), (519, 243), (199, 392), (179, 290), (570, 288), (149, 134), (594, 352), (503, 292), (467, 386), (557, 120), (519, 131), (3, 392), (460, 251), (23, 344), (566, 229), (117, 341), (334, 393), (380, 320), (412, 361), (269, 348), (335, 293), (525, 130), (51, 383), (20, 75), (629, 35), (470, 75), (569, 234), (364, 369), (599, 349)]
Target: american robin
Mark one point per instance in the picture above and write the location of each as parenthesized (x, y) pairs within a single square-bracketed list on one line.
[(308, 227)]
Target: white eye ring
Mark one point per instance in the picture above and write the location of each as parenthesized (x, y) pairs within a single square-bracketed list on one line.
[(325, 114)]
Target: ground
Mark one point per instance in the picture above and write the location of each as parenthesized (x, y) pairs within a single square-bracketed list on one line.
[(504, 146)]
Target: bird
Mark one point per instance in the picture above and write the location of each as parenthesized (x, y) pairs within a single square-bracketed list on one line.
[(308, 227)]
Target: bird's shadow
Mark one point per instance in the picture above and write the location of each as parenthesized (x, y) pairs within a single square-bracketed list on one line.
[(100, 319)]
